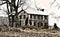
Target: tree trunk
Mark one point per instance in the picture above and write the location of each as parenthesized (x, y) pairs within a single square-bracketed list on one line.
[(9, 20), (16, 10), (17, 20)]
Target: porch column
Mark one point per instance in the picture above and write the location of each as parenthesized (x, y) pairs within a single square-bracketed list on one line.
[(36, 24), (43, 24), (37, 21), (28, 23), (29, 16), (43, 17), (32, 23), (36, 17), (43, 21), (28, 20)]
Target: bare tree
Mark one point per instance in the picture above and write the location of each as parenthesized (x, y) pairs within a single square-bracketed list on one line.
[(13, 5)]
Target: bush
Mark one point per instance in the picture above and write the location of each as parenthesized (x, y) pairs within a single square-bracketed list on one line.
[(55, 26), (46, 26)]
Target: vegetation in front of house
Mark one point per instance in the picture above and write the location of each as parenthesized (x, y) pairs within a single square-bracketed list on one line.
[(55, 26), (12, 31), (5, 28)]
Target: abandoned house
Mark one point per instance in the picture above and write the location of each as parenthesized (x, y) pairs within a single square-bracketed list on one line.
[(30, 19)]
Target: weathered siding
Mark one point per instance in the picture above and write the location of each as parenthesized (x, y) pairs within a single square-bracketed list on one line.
[(26, 19), (38, 20), (22, 18)]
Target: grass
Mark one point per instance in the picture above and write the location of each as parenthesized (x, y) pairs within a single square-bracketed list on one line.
[(14, 31)]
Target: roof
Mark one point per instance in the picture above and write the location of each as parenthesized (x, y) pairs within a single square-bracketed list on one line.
[(30, 11)]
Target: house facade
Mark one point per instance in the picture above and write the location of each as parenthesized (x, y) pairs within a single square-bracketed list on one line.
[(31, 19)]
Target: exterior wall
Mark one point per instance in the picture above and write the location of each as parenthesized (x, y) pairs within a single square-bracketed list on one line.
[(52, 21), (26, 19), (38, 20), (22, 18), (33, 19)]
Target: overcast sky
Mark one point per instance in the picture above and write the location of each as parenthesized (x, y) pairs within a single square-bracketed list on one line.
[(51, 6)]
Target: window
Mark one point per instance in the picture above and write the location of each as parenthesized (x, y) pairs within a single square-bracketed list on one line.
[(41, 24), (34, 23), (34, 17), (38, 17), (30, 16), (45, 23), (38, 25), (30, 22), (20, 17), (45, 17), (24, 16), (20, 22), (41, 17)]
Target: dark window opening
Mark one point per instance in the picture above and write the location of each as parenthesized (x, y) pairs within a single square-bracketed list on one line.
[(30, 16), (38, 24), (45, 17), (41, 9), (34, 23), (45, 23), (34, 16), (26, 21), (20, 17), (41, 24), (24, 16), (41, 17), (24, 11), (30, 22), (20, 22), (38, 17)]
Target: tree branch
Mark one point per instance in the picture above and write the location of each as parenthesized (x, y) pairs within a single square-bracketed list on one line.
[(3, 3)]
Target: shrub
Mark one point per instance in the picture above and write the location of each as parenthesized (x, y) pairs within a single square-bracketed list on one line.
[(55, 26), (46, 26)]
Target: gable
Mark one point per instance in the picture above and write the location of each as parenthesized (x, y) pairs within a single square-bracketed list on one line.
[(22, 13)]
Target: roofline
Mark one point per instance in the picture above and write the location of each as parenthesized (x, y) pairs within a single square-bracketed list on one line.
[(36, 14), (30, 13)]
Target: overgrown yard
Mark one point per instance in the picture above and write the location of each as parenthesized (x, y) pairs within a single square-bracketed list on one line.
[(19, 32)]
